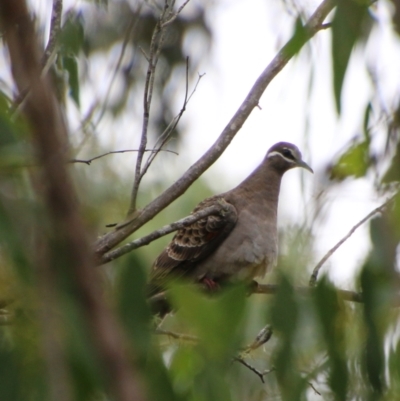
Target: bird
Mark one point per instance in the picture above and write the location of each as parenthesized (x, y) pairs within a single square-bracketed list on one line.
[(238, 244)]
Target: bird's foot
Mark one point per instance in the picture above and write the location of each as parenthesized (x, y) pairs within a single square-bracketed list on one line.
[(253, 286), (210, 284)]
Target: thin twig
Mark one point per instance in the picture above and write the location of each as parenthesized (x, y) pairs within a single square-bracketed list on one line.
[(177, 336), (175, 15), (155, 48), (253, 369), (87, 120), (326, 26), (110, 240), (165, 136), (346, 295), (89, 161), (195, 87), (48, 55), (130, 246), (168, 131), (315, 390), (144, 53), (379, 209), (55, 27), (128, 34)]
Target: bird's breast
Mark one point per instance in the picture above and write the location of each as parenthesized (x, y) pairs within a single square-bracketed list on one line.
[(249, 251)]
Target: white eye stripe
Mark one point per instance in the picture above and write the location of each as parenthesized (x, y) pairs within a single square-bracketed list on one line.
[(274, 153)]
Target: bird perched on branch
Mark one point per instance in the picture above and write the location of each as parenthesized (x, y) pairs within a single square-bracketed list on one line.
[(241, 241)]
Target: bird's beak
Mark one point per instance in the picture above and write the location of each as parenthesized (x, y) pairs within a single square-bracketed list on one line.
[(303, 164)]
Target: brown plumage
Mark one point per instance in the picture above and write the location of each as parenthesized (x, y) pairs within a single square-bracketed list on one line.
[(238, 244)]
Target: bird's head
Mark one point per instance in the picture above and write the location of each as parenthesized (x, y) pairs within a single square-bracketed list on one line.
[(284, 155)]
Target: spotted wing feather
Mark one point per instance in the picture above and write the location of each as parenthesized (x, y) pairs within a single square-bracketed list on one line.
[(193, 243)]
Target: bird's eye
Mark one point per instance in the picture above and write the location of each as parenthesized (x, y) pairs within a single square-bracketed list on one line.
[(288, 154)]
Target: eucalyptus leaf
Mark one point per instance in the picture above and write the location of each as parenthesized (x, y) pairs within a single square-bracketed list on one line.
[(347, 27), (298, 39), (215, 319), (70, 64), (354, 162), (329, 313), (393, 172)]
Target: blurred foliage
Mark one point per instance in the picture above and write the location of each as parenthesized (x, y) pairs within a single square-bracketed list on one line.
[(349, 26), (322, 348), (353, 163)]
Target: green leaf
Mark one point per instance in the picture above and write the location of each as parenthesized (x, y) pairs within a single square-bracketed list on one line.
[(12, 237), (394, 218), (396, 15), (211, 386), (394, 367), (379, 286), (367, 115), (132, 303), (346, 30), (70, 64), (393, 172), (10, 378), (284, 319), (159, 385), (215, 319), (374, 353), (329, 314), (15, 149), (72, 35), (284, 313), (8, 128), (86, 372), (385, 241), (186, 365), (198, 377), (296, 42), (353, 163)]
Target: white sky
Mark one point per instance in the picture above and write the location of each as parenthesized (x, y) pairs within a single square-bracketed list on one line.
[(247, 35)]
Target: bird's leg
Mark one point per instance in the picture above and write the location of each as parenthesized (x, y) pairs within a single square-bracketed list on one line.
[(210, 284), (253, 285)]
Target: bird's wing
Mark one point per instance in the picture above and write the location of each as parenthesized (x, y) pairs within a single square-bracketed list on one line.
[(194, 243)]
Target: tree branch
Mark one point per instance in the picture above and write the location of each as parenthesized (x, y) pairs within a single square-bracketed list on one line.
[(89, 161), (175, 15), (177, 336), (346, 295), (130, 246), (379, 209), (111, 239), (253, 369)]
